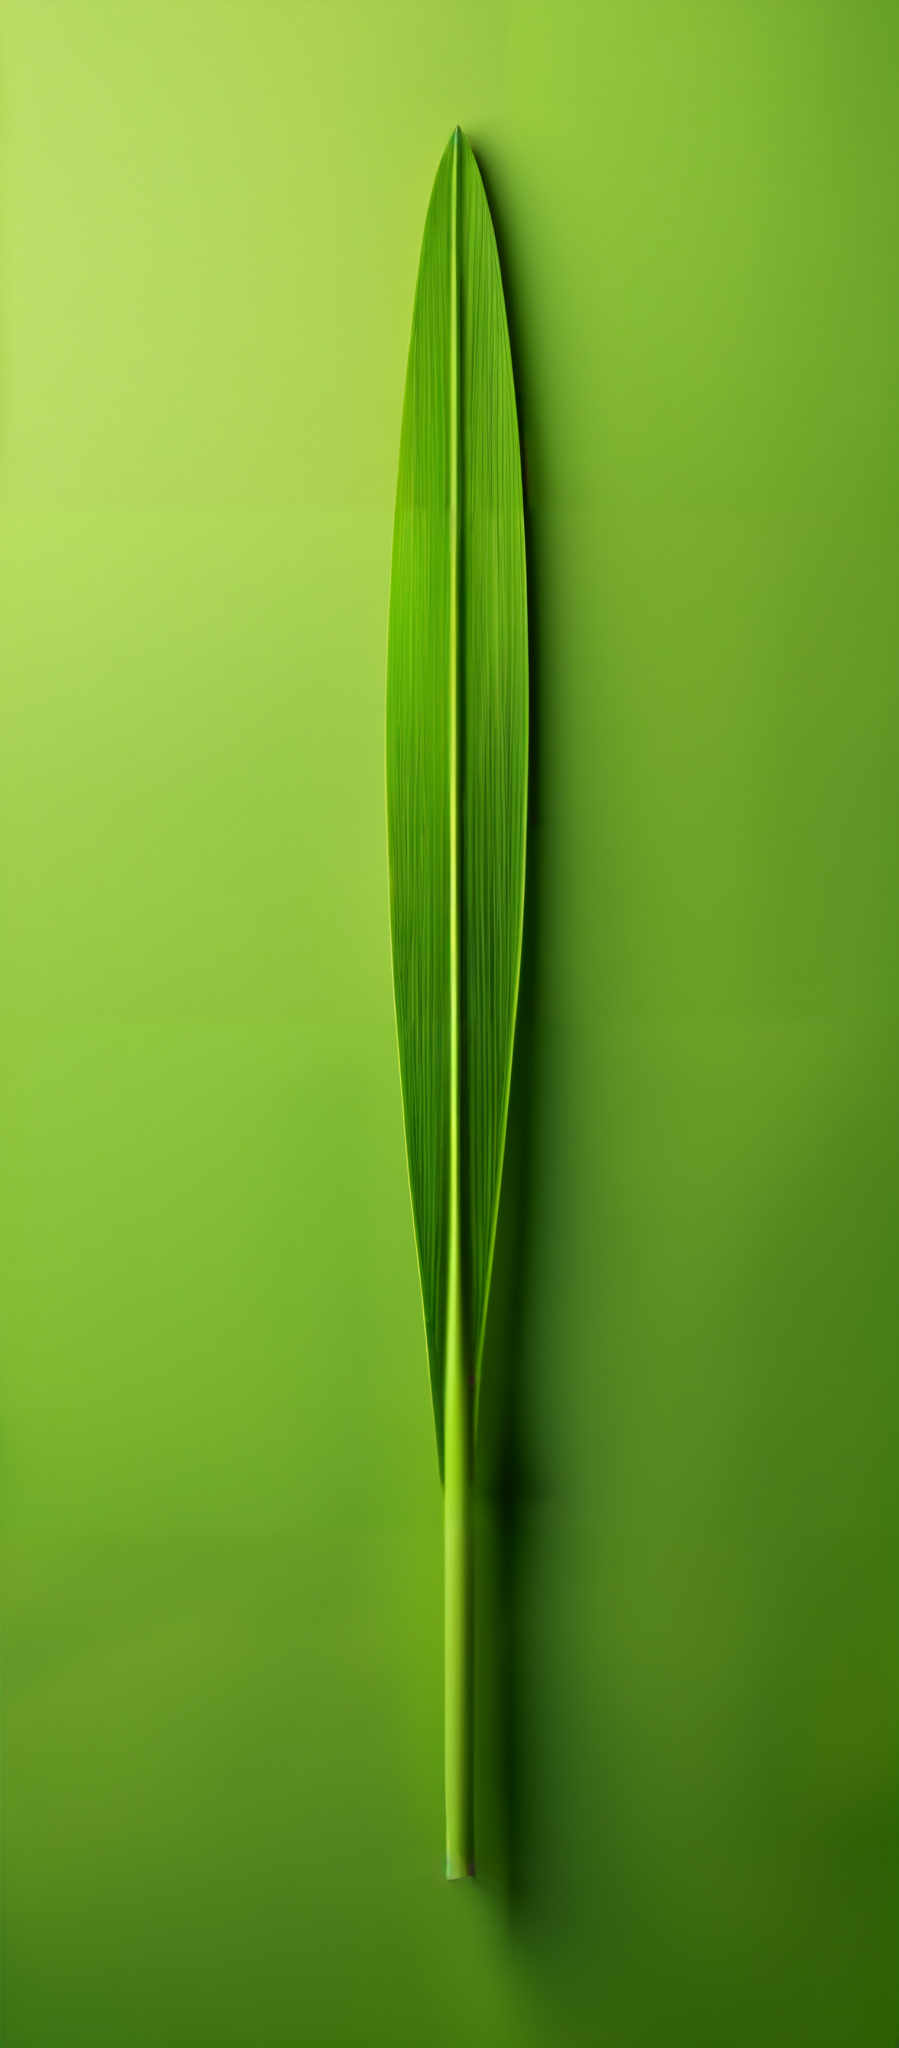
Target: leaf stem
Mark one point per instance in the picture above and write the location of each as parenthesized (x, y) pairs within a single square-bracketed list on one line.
[(458, 1602)]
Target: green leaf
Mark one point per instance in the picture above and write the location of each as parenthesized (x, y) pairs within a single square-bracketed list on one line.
[(457, 746)]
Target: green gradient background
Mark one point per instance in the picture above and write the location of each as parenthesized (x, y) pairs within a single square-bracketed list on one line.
[(222, 1555)]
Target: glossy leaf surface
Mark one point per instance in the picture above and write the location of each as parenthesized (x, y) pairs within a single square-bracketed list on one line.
[(457, 741)]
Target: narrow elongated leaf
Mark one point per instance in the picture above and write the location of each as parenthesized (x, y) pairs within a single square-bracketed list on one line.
[(457, 744)]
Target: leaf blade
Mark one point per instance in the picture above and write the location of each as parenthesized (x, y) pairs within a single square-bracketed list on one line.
[(457, 739)]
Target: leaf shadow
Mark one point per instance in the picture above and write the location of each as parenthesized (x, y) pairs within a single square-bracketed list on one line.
[(509, 1479)]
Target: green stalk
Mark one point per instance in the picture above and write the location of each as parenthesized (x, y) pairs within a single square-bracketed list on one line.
[(457, 1441), (458, 1604)]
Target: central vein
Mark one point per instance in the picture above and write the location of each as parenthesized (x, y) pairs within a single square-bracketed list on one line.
[(454, 1244), (457, 1520)]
